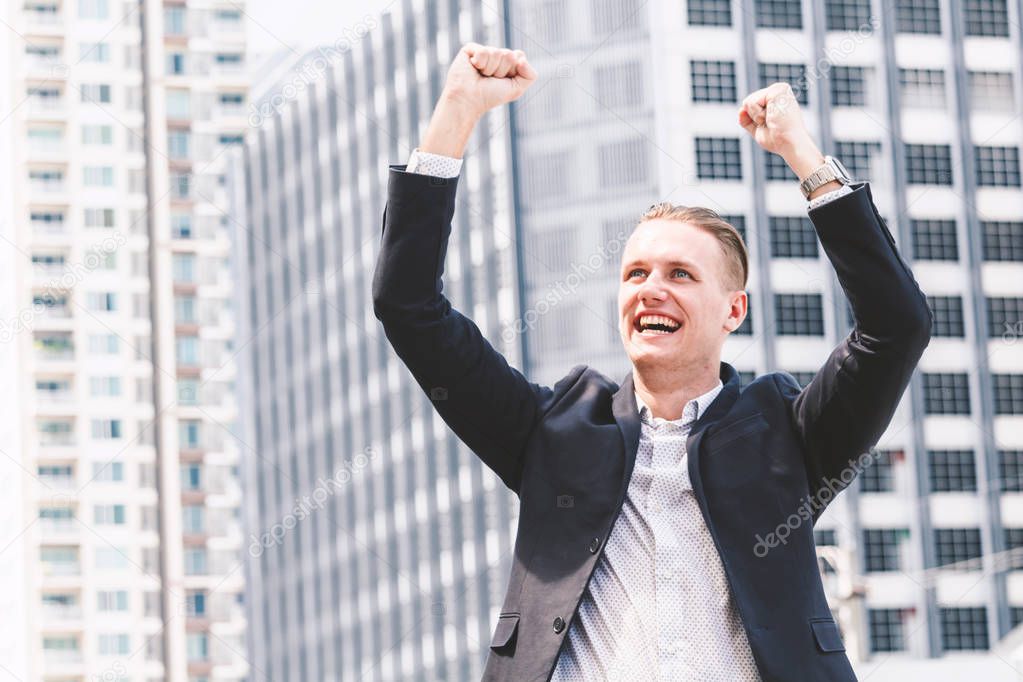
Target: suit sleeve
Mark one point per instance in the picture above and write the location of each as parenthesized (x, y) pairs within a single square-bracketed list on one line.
[(489, 405), (845, 409)]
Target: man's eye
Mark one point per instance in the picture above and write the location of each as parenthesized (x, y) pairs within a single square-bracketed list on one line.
[(681, 270), (632, 273)]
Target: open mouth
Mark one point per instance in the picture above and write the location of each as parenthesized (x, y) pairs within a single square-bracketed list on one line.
[(656, 325)]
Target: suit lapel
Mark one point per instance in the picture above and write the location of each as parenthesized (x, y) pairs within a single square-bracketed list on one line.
[(626, 414)]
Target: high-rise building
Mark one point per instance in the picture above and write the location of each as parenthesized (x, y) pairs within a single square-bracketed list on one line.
[(378, 543), (118, 322), (637, 103)]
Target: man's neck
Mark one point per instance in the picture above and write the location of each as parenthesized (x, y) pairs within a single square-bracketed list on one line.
[(666, 393)]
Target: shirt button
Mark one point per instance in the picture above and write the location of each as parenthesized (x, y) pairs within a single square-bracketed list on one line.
[(594, 545), (559, 624), (656, 506)]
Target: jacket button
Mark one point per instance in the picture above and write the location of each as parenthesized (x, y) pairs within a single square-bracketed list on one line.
[(594, 545), (559, 624)]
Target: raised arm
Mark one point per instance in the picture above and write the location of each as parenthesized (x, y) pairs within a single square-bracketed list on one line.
[(487, 403), (849, 403)]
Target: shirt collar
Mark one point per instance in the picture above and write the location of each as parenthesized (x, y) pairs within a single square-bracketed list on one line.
[(702, 403)]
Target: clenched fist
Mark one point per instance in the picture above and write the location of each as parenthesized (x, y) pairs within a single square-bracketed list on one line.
[(771, 115), (482, 77)]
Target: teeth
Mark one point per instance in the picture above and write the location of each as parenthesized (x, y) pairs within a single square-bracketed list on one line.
[(648, 320)]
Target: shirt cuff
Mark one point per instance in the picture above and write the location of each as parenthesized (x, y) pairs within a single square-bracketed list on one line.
[(828, 196), (437, 165)]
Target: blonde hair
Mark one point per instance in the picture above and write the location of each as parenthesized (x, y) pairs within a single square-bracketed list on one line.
[(732, 246)]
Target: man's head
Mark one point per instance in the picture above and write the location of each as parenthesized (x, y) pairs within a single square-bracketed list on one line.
[(690, 266)]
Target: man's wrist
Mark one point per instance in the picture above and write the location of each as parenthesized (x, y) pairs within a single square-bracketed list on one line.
[(450, 127), (804, 158)]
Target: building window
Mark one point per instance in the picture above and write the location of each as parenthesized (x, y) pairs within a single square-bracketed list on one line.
[(1008, 390), (792, 237), (848, 86), (986, 18), (952, 545), (858, 157), (928, 164), (193, 518), (1004, 317), (964, 629), (779, 14), (95, 92), (615, 16), (738, 222), (619, 86), (879, 476), (991, 90), (793, 74), (922, 88), (997, 166), (918, 16), (178, 144), (848, 15), (718, 158), (195, 603), (112, 514), (1010, 470), (183, 267), (952, 471), (885, 630), (548, 174), (1002, 240), (934, 239), (114, 645), (710, 12), (882, 548), (1013, 540), (108, 472), (622, 163), (112, 600), (946, 393), (174, 20), (799, 314), (713, 81), (948, 315), (93, 9), (775, 167)]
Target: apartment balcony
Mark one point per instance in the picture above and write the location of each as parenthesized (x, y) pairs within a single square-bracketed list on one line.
[(40, 22), (47, 149), (46, 108), (58, 529), (44, 273), (60, 614), (48, 227), (60, 569), (58, 439), (61, 657), (50, 483), (48, 190), (57, 397), (50, 354), (45, 67)]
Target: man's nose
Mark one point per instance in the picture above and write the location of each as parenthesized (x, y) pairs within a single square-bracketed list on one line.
[(652, 288)]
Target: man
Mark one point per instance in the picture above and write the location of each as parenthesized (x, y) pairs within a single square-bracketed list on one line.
[(656, 537)]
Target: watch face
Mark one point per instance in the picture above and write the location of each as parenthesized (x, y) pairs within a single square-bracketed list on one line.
[(843, 173)]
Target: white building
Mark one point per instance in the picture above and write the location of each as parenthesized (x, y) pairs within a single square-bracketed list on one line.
[(117, 300)]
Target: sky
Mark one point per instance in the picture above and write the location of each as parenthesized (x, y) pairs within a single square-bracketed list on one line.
[(297, 24)]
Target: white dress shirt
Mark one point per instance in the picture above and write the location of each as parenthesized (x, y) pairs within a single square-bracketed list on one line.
[(658, 606)]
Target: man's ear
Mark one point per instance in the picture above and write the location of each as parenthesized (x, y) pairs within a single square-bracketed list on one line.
[(738, 308)]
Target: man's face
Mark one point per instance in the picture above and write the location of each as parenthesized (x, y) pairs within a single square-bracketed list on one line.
[(676, 271)]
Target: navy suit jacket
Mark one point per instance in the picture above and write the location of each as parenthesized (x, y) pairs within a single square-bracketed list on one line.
[(765, 458)]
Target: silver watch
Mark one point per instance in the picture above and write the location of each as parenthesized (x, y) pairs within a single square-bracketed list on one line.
[(831, 169)]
